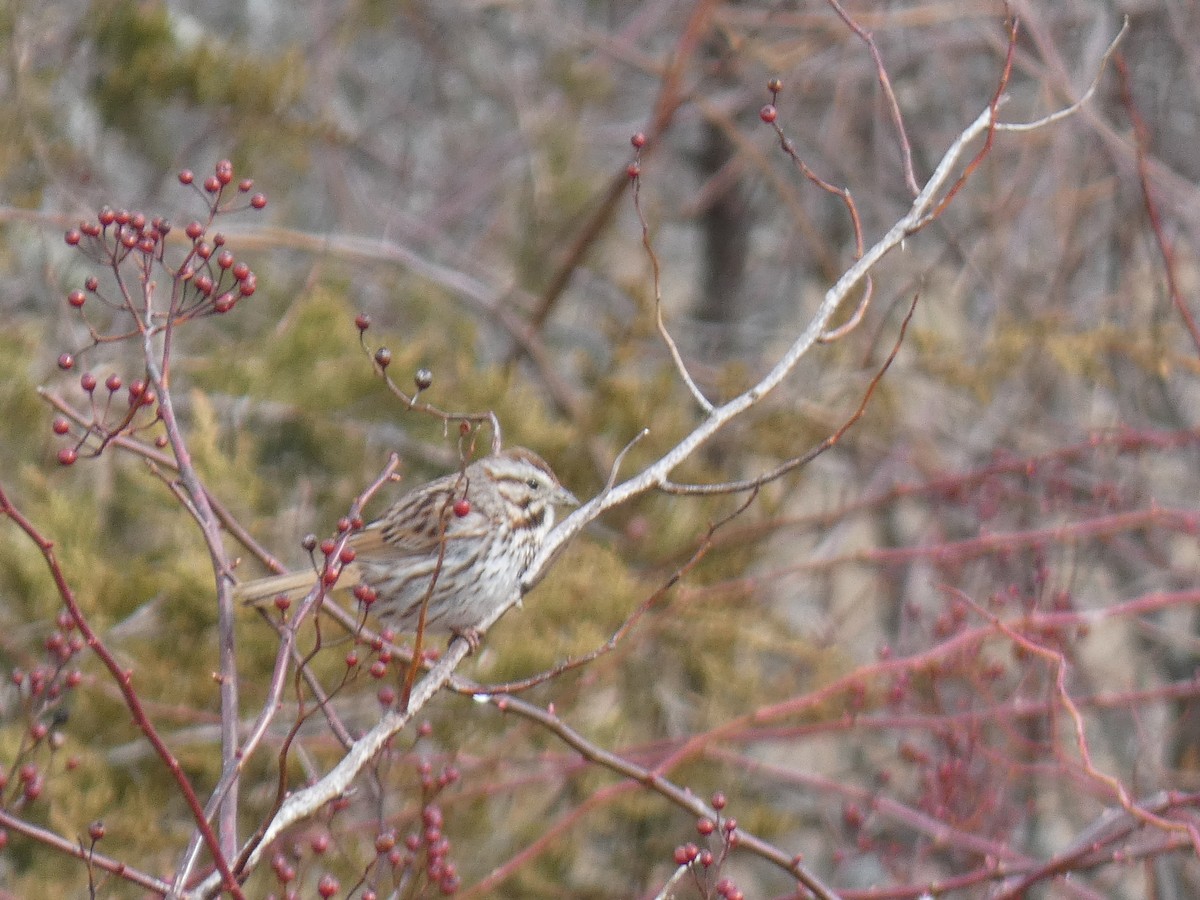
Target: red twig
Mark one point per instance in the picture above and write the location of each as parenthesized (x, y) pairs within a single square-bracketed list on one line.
[(124, 681), (910, 178), (1013, 26), (99, 860), (1141, 134)]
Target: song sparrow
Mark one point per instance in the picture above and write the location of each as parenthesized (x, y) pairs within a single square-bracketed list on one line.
[(470, 535)]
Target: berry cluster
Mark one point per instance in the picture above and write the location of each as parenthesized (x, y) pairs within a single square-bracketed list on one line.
[(704, 864), (133, 248), (41, 693)]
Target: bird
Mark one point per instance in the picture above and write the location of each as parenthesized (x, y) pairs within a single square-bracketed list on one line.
[(459, 545)]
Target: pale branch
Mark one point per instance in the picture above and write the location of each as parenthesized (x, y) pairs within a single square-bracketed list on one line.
[(307, 801)]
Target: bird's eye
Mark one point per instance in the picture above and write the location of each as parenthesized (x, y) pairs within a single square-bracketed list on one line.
[(533, 484)]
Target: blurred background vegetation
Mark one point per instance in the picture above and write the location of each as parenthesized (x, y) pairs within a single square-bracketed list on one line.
[(456, 170)]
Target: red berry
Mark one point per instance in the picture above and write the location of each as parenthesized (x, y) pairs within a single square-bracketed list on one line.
[(327, 886), (378, 669), (211, 184), (224, 259), (705, 826), (96, 830), (283, 603), (248, 285), (121, 217), (633, 170), (638, 140), (383, 357), (362, 321), (462, 507), (204, 284), (194, 230), (76, 298), (240, 270), (775, 85), (385, 841), (258, 201), (60, 425), (224, 171), (347, 555), (91, 283), (218, 240), (107, 217), (245, 184), (66, 361), (73, 237), (186, 176), (113, 382), (137, 220), (87, 381), (224, 303), (67, 456), (768, 113)]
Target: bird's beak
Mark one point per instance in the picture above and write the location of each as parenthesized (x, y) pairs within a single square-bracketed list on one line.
[(563, 497)]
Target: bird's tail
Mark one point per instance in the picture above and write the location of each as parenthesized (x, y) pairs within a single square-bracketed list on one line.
[(293, 585)]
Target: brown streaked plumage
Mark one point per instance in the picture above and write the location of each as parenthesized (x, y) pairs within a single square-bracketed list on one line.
[(468, 560)]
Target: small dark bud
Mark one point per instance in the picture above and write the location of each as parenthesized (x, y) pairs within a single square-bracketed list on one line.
[(383, 357), (423, 379)]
